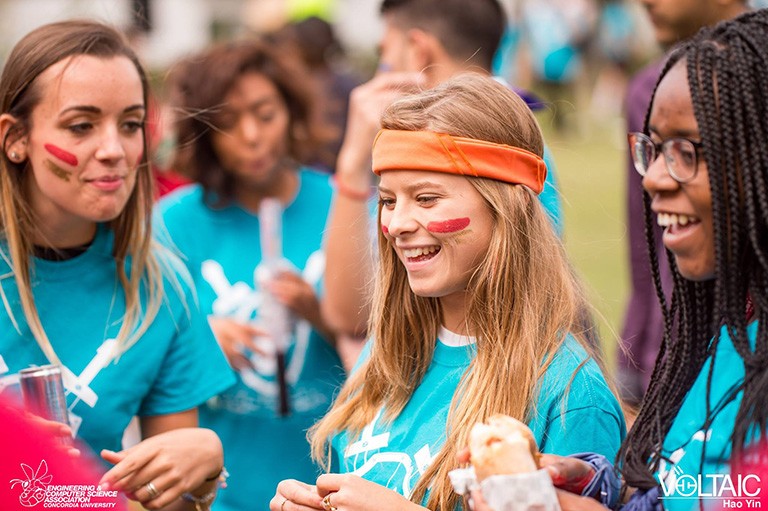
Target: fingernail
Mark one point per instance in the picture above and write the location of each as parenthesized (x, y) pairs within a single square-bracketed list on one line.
[(104, 486)]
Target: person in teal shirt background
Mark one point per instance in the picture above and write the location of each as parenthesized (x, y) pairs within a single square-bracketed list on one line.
[(253, 119)]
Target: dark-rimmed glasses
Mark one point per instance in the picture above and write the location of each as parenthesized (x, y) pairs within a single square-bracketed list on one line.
[(680, 155)]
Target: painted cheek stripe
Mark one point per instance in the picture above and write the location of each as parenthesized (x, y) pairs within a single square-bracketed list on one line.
[(65, 156), (446, 226), (384, 229)]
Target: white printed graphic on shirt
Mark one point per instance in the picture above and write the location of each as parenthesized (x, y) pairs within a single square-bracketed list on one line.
[(242, 302), (667, 471), (8, 379), (78, 385), (411, 466)]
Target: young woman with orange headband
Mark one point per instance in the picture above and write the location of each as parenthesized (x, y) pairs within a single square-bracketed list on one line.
[(476, 311)]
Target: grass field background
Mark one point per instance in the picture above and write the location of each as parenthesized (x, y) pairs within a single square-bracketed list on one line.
[(592, 177)]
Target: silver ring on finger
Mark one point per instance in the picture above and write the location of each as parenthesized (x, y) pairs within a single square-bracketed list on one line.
[(152, 490), (282, 506)]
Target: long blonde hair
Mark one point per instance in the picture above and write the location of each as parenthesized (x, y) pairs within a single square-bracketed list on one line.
[(19, 94), (524, 298)]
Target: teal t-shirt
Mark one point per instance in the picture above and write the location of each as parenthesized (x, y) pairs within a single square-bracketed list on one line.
[(175, 366), (395, 455), (223, 251), (684, 445)]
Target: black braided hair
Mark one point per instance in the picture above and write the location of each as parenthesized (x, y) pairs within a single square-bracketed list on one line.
[(727, 69)]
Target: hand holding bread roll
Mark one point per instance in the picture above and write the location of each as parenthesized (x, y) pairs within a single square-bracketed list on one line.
[(501, 446)]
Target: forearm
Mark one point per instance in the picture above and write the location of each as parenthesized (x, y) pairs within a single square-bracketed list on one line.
[(348, 249)]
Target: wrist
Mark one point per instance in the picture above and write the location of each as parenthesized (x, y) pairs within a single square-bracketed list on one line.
[(203, 495), (351, 191)]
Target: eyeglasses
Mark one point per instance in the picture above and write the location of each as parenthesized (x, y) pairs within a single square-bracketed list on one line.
[(680, 155)]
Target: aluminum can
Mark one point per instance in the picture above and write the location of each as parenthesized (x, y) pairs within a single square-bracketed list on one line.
[(42, 390)]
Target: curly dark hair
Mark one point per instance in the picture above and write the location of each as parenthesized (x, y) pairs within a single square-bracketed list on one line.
[(199, 85)]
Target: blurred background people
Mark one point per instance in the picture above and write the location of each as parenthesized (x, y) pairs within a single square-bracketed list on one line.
[(315, 42), (246, 120)]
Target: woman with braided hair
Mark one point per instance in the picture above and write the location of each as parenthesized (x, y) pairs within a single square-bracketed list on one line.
[(704, 161)]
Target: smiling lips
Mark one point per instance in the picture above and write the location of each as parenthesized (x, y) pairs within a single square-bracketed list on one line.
[(421, 253), (673, 223)]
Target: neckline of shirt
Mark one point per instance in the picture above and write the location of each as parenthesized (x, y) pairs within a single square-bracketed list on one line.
[(453, 339)]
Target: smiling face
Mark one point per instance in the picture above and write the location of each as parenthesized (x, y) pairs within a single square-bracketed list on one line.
[(251, 139), (683, 210), (440, 227), (84, 144)]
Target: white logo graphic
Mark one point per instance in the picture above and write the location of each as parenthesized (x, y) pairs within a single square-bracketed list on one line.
[(33, 488), (77, 385), (242, 302), (734, 490), (412, 467)]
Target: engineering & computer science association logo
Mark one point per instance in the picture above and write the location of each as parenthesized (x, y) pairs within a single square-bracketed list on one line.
[(35, 489), (33, 486)]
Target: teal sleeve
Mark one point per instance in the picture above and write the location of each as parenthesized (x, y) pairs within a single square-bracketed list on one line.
[(194, 368), (576, 411), (550, 195), (589, 429)]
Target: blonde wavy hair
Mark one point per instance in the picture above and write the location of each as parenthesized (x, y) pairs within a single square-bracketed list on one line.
[(20, 92), (525, 298)]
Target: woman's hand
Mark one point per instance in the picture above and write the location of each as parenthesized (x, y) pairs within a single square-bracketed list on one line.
[(174, 462), (233, 336), (348, 492), (297, 295), (569, 474), (366, 104), (55, 429), (293, 495)]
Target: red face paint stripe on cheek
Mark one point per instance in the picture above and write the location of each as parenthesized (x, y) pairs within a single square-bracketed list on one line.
[(384, 229), (65, 156), (446, 226)]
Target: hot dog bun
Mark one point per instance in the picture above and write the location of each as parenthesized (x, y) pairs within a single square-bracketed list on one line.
[(503, 445)]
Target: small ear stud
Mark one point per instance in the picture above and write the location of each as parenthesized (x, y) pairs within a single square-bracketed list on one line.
[(14, 157)]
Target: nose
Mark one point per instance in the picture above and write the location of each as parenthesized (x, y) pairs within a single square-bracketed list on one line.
[(399, 221), (248, 128), (657, 178), (111, 145)]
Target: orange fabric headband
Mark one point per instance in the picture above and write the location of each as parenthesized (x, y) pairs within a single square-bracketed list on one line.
[(438, 152)]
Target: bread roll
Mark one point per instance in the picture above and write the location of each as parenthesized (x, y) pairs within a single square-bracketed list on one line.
[(502, 446)]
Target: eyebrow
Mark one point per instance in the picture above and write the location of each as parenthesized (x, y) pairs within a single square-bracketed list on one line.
[(96, 110), (676, 133), (417, 186), (269, 100)]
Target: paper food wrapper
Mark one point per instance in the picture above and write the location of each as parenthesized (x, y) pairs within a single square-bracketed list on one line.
[(520, 492)]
